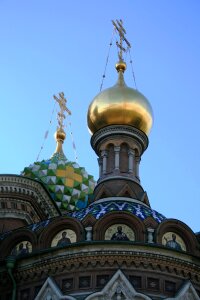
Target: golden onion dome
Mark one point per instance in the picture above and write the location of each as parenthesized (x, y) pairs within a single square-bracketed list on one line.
[(120, 105)]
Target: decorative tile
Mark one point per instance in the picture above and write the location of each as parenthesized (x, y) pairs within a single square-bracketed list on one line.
[(98, 210), (84, 282), (66, 181)]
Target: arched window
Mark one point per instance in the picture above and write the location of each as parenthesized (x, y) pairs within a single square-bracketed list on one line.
[(123, 160), (110, 158)]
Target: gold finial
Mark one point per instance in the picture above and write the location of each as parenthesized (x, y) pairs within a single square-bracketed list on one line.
[(121, 65), (60, 133)]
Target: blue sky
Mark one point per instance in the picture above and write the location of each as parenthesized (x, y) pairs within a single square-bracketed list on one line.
[(52, 46)]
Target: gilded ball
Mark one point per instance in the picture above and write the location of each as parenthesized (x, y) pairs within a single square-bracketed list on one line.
[(60, 135)]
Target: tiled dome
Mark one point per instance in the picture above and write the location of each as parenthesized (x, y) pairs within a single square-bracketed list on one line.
[(98, 210), (69, 184)]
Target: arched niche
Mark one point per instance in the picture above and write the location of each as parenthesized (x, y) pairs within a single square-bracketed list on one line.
[(176, 235), (55, 229), (119, 232), (12, 243), (21, 248), (63, 238), (173, 240), (119, 219)]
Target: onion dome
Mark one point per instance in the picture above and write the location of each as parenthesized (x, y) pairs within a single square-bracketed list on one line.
[(120, 105), (70, 186)]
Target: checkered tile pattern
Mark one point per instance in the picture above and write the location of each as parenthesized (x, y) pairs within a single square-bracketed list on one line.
[(69, 184)]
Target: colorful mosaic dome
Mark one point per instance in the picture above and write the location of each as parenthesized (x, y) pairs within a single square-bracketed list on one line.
[(98, 210), (69, 184)]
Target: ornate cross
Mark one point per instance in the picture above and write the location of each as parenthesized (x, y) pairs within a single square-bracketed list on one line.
[(119, 27), (63, 108)]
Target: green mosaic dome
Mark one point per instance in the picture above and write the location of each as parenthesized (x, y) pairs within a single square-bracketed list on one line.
[(69, 184)]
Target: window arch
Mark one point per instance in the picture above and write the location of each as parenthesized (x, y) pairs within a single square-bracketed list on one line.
[(63, 238), (176, 235), (123, 161), (55, 232), (110, 158), (18, 242), (119, 219)]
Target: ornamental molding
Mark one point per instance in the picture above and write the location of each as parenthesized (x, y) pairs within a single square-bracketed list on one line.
[(125, 177), (187, 292), (18, 213), (50, 291), (142, 259), (131, 200), (14, 214), (119, 288), (123, 130), (28, 189)]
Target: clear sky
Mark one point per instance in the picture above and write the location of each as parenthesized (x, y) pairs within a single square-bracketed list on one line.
[(51, 46)]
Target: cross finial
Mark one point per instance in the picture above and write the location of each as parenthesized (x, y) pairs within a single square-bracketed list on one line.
[(63, 108), (121, 31)]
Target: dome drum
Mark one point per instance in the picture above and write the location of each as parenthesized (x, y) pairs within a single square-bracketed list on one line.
[(115, 131)]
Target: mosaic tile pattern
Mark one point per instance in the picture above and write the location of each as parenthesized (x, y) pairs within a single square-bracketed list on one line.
[(69, 184), (98, 210)]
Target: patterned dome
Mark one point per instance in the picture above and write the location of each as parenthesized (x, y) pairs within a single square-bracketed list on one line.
[(98, 210), (69, 184)]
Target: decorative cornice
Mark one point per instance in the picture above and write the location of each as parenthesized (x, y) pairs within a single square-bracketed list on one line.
[(14, 214), (115, 177), (124, 130), (14, 184), (138, 257)]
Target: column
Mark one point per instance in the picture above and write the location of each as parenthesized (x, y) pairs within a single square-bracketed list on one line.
[(104, 155), (100, 161), (117, 149), (137, 163), (88, 233), (150, 232), (131, 158)]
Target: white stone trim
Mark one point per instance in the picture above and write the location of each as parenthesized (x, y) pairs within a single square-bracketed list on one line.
[(118, 285), (50, 291), (187, 292), (120, 199)]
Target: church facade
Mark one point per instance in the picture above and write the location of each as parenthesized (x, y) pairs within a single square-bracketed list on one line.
[(64, 236)]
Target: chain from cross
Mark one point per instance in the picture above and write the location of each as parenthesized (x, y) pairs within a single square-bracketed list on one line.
[(63, 108), (121, 31)]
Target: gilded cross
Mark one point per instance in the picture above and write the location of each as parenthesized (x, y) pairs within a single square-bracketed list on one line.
[(63, 108), (121, 31)]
